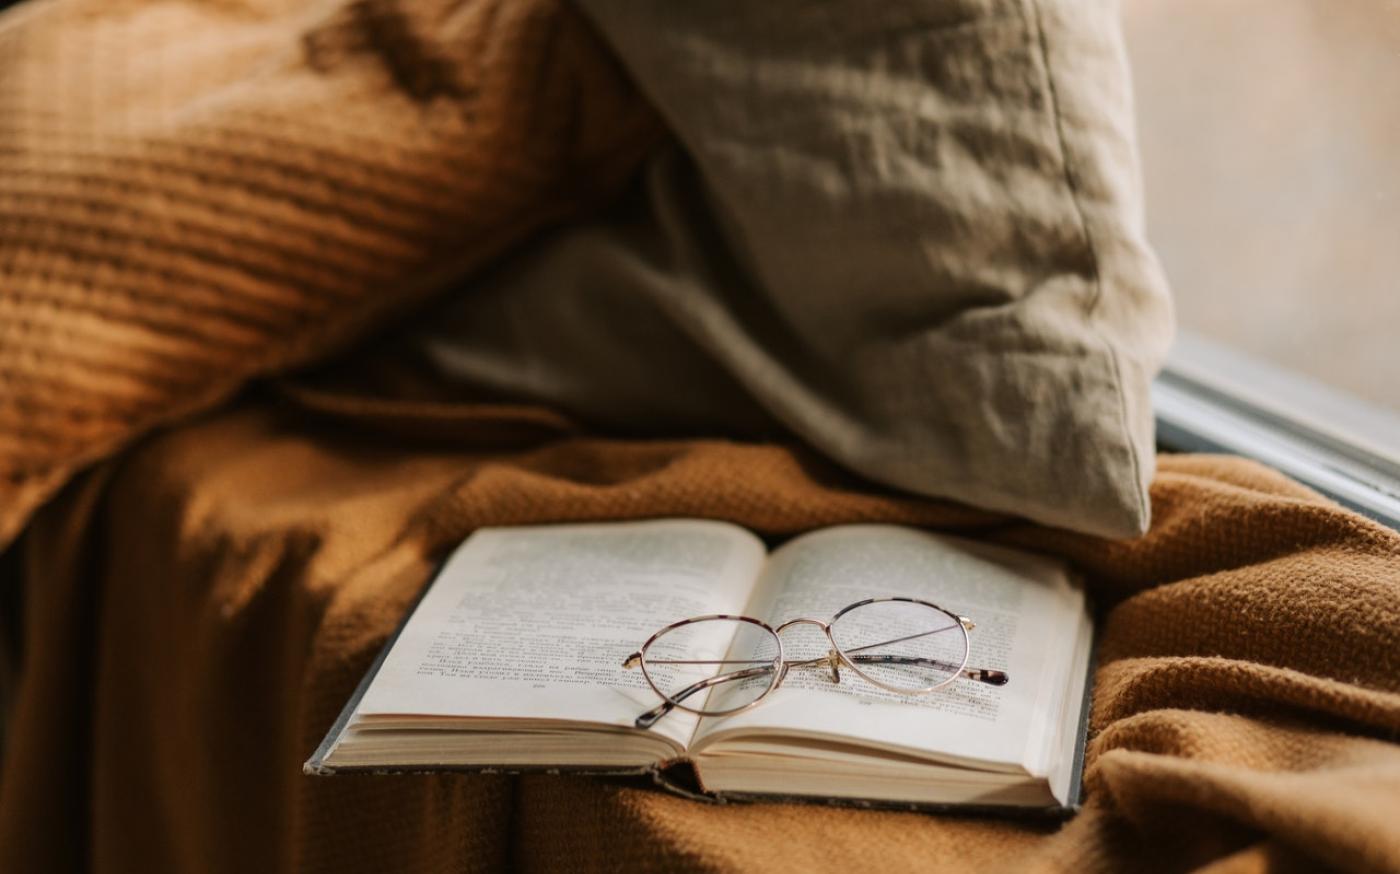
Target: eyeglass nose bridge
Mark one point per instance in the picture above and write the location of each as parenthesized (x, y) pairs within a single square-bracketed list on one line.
[(824, 626), (832, 660)]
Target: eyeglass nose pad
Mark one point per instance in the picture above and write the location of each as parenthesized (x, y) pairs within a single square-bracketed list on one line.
[(833, 661)]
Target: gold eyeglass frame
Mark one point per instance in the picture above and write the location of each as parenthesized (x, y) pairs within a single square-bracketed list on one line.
[(779, 666)]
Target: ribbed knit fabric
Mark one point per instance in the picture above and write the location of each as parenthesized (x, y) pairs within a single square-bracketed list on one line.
[(193, 193), (199, 610)]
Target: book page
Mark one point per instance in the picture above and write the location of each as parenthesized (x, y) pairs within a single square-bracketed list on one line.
[(535, 622), (1026, 610)]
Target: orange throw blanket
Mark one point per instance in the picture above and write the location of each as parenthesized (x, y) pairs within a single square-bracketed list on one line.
[(197, 612), (194, 193)]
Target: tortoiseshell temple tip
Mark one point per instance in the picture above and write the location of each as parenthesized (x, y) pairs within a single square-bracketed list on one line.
[(648, 719), (991, 678), (632, 661)]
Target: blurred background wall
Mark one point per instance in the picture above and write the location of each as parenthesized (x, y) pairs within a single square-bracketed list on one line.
[(1270, 133)]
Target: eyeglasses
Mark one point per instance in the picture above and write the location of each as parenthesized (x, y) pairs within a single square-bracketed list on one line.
[(901, 645)]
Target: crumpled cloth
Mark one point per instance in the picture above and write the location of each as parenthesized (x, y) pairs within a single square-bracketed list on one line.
[(196, 193)]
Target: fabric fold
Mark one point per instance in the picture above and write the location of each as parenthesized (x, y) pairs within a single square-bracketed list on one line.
[(225, 586)]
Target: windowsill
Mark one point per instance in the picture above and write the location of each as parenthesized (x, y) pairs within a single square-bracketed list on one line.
[(1213, 399)]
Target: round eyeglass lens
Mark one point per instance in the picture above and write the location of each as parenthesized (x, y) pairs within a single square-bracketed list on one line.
[(902, 645), (713, 666)]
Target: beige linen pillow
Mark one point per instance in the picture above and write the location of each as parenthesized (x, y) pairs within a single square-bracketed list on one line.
[(195, 193), (908, 233)]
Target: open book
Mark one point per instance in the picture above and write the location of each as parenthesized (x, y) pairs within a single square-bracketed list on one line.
[(514, 660)]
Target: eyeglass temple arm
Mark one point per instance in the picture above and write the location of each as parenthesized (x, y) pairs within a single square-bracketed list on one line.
[(981, 675), (648, 719)]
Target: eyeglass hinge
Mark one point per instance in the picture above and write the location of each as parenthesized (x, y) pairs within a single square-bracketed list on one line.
[(967, 623)]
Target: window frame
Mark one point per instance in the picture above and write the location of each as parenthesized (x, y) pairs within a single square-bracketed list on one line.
[(1213, 398)]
